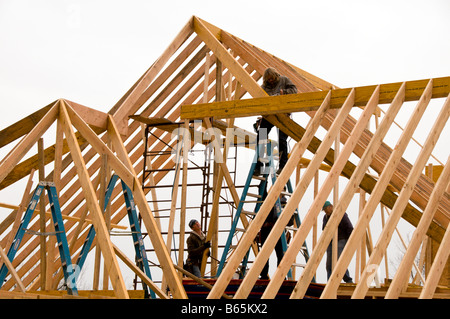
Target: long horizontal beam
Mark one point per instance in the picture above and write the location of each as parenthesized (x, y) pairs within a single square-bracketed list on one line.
[(310, 101)]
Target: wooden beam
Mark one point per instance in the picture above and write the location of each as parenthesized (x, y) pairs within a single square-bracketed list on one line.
[(441, 258), (131, 264), (402, 200), (100, 147), (96, 119), (23, 126), (227, 59), (42, 218), (104, 242), (19, 151), (11, 269), (175, 285), (339, 212), (310, 101), (411, 214), (360, 228), (272, 196), (251, 277), (127, 104), (404, 270), (328, 185)]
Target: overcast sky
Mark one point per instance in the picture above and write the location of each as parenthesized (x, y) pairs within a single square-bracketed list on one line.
[(92, 52)]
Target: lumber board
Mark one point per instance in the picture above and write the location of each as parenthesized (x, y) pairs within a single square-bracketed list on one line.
[(287, 212), (411, 214), (154, 233), (19, 151), (227, 59), (23, 126), (360, 228), (404, 195), (92, 202), (310, 101), (402, 274), (127, 105)]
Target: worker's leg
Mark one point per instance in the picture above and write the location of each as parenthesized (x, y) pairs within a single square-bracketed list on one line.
[(329, 260), (196, 271), (279, 251), (261, 140), (283, 149), (264, 234), (341, 245)]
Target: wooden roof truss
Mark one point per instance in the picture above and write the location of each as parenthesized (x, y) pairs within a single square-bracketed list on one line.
[(202, 75)]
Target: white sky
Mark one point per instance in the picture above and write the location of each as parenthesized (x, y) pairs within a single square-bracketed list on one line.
[(92, 52)]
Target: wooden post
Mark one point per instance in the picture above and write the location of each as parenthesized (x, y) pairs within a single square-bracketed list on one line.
[(19, 151), (42, 218), (173, 281), (339, 209), (402, 200), (401, 276), (361, 226), (440, 262), (101, 231), (183, 194)]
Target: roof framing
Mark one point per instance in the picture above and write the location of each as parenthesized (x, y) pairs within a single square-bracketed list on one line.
[(204, 64)]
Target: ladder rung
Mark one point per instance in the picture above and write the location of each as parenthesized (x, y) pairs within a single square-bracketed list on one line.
[(251, 201), (291, 228), (286, 193), (261, 178), (240, 229), (298, 265), (248, 213), (254, 195)]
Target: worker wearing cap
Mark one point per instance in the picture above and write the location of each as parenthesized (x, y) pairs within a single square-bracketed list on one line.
[(196, 245), (344, 230), (273, 84)]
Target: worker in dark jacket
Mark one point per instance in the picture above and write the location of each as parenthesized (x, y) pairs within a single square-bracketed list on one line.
[(196, 245), (265, 231), (344, 231), (266, 228), (273, 84)]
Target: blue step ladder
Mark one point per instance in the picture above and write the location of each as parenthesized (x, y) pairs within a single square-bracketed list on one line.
[(138, 242), (267, 172), (70, 272)]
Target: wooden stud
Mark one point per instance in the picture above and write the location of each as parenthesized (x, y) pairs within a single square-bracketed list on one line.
[(287, 212), (361, 226), (442, 254), (161, 251), (405, 194), (326, 188), (401, 276), (227, 59), (140, 273), (19, 151), (12, 270), (104, 241)]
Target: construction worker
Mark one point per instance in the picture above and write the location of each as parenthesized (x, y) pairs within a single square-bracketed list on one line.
[(344, 230), (273, 84), (196, 245)]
